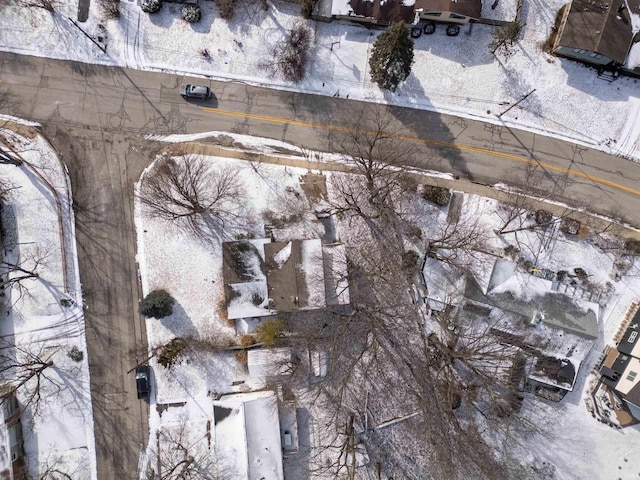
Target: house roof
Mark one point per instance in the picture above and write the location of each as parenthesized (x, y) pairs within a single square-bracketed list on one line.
[(557, 372), (263, 277), (468, 8), (630, 378), (386, 11), (245, 280), (271, 362), (599, 26), (295, 275), (445, 283), (524, 294), (335, 274), (630, 342), (398, 11), (247, 435)]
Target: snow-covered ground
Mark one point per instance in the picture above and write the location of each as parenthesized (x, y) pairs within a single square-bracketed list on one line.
[(46, 318), (450, 74), (570, 439)]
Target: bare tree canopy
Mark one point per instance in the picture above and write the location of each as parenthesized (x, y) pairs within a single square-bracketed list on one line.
[(379, 157), (185, 453), (189, 191), (24, 369)]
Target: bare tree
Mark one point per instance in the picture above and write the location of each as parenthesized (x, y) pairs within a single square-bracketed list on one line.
[(16, 275), (504, 38), (25, 369), (54, 467), (290, 57), (6, 186), (459, 243), (184, 453), (191, 192), (378, 156), (48, 5), (384, 365)]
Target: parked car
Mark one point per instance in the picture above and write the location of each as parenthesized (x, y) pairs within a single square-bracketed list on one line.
[(195, 91), (142, 381)]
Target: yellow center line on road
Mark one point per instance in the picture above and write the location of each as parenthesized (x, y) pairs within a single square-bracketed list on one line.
[(467, 148)]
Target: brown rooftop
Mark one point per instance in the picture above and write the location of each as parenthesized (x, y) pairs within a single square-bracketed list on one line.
[(599, 26), (468, 8), (396, 11), (388, 11)]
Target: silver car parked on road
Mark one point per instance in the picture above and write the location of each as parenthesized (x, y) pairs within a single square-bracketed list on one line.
[(195, 91)]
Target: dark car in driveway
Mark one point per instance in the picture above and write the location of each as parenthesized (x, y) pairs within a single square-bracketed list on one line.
[(142, 381), (197, 92)]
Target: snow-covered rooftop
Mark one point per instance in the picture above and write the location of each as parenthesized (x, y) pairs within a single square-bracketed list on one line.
[(445, 284), (247, 433)]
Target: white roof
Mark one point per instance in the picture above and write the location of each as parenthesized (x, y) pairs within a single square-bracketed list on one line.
[(335, 274), (263, 362), (445, 284), (5, 460), (312, 266), (248, 437)]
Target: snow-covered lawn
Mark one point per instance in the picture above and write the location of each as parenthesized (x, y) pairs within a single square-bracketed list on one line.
[(45, 316), (570, 439), (450, 74)]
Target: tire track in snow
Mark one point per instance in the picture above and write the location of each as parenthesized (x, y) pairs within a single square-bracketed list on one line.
[(628, 144)]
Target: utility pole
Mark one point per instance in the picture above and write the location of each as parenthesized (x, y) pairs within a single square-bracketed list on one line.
[(519, 101)]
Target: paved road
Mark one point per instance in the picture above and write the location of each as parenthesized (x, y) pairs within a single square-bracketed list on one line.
[(98, 118)]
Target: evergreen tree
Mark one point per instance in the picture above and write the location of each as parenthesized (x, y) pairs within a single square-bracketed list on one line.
[(391, 57), (158, 304)]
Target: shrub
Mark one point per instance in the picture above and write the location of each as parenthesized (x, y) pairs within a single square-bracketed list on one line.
[(268, 332), (49, 5), (191, 12), (171, 352), (225, 8), (543, 217), (291, 57), (570, 226), (241, 356), (110, 9), (247, 340), (438, 195), (581, 273), (257, 299), (75, 354), (409, 259), (157, 304), (151, 6), (632, 247)]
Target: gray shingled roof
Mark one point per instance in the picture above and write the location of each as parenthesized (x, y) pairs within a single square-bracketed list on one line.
[(599, 26)]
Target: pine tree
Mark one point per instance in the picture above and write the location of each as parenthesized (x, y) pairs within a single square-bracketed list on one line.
[(158, 304), (391, 57)]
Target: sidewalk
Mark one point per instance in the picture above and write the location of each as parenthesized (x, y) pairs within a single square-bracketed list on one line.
[(593, 220)]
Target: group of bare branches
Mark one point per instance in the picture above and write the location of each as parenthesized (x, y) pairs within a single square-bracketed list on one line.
[(446, 383), (414, 392), (193, 194)]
